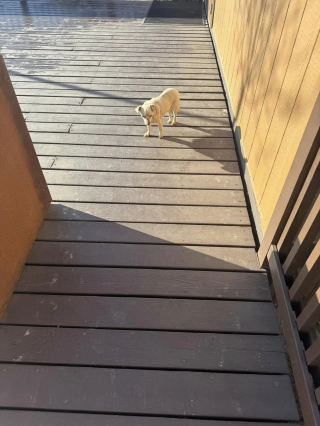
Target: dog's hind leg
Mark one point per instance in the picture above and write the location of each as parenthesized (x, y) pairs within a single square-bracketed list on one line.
[(174, 117), (170, 116)]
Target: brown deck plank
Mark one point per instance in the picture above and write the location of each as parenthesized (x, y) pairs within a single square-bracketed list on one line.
[(148, 213), (37, 418), (236, 396), (201, 154), (143, 349), (148, 233), (205, 197), (144, 282), (120, 120), (85, 111), (74, 92), (143, 255), (144, 166), (142, 313), (152, 180), (132, 141)]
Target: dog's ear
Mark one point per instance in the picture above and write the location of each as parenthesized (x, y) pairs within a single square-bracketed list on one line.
[(138, 109), (153, 107)]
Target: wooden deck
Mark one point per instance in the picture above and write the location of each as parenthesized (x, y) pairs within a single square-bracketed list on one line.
[(142, 302)]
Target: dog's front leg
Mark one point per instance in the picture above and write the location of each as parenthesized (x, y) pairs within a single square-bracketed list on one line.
[(148, 132), (160, 129)]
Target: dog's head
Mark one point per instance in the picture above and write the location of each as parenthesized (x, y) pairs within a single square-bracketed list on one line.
[(146, 112)]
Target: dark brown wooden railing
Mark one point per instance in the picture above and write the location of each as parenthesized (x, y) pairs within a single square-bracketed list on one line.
[(290, 250)]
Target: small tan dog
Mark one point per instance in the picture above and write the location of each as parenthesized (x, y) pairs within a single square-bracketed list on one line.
[(154, 110)]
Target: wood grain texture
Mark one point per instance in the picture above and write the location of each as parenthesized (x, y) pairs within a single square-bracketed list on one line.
[(138, 141), (36, 418), (148, 213), (143, 255), (142, 313), (140, 165), (143, 349), (140, 153), (144, 282), (146, 233), (141, 180), (148, 392), (148, 195)]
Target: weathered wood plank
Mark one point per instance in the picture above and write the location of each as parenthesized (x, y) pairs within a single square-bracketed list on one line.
[(104, 88), (50, 127), (128, 110), (142, 313), (234, 396), (175, 61), (169, 131), (74, 92), (47, 418), (136, 152), (163, 80), (145, 166), (42, 71), (143, 256), (148, 213), (121, 120), (116, 53), (39, 99), (144, 282), (142, 180), (165, 142), (147, 233), (206, 197), (161, 350)]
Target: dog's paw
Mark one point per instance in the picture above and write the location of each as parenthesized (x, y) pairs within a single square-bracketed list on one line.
[(169, 121), (173, 123), (146, 135), (160, 135)]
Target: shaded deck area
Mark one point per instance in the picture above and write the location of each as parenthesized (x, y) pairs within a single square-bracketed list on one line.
[(141, 302)]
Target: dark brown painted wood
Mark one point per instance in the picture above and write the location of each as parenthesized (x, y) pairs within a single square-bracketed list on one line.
[(185, 197), (144, 282), (143, 349), (148, 392), (133, 141), (143, 256), (85, 112), (141, 180), (142, 313), (149, 233), (148, 213), (38, 418), (139, 153), (141, 165), (119, 120)]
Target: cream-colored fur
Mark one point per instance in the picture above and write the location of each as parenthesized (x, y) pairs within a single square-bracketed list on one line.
[(154, 110)]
